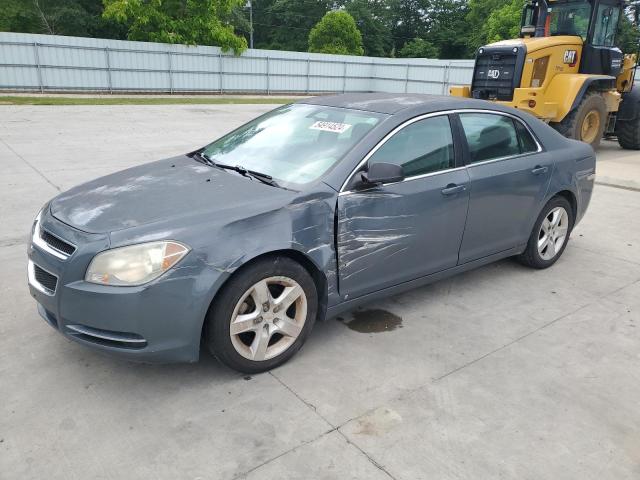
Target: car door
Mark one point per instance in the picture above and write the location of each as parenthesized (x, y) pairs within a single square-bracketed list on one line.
[(396, 232), (509, 176)]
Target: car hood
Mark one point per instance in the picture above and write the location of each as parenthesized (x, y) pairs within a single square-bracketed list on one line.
[(160, 191)]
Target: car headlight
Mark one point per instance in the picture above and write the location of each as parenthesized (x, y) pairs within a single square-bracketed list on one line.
[(135, 264), (36, 222)]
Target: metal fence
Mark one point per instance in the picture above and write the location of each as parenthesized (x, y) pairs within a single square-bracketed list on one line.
[(47, 63)]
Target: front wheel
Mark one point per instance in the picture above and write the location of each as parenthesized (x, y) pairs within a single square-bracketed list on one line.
[(262, 316), (550, 234), (587, 121)]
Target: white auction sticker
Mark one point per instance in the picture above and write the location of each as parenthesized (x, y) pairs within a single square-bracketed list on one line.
[(330, 127)]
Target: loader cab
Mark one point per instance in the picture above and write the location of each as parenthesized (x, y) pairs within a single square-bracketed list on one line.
[(594, 21)]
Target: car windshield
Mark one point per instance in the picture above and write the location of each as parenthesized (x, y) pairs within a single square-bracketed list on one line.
[(569, 18), (296, 143)]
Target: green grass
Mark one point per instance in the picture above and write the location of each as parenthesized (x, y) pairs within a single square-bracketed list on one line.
[(195, 100)]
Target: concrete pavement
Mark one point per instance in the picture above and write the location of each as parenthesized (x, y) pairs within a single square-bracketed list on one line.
[(503, 372)]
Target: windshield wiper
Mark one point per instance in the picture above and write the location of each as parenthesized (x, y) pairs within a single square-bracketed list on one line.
[(202, 157), (262, 177)]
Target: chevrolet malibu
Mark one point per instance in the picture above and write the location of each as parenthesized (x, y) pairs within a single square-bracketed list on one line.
[(302, 213)]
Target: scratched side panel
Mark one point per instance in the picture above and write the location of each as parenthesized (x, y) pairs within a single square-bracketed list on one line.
[(399, 232)]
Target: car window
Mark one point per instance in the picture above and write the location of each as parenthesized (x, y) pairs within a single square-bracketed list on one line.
[(527, 143), (296, 143), (489, 136), (423, 147)]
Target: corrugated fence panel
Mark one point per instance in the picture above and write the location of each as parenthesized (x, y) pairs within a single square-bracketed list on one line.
[(55, 63)]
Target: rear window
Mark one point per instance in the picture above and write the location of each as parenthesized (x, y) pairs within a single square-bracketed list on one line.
[(491, 136)]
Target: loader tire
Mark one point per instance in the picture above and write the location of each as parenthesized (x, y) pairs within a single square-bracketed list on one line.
[(586, 122), (628, 132)]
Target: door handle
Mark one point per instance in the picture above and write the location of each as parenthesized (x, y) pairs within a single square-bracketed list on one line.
[(538, 170), (452, 189)]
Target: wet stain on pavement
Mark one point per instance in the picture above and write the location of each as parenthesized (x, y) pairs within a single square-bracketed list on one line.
[(373, 321)]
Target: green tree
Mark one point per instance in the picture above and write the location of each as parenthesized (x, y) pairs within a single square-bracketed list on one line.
[(446, 27), (504, 23), (371, 19), (628, 36), (336, 33), (285, 24), (81, 18), (418, 48), (476, 19), (203, 22)]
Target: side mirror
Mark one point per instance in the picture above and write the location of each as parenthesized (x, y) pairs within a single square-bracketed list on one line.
[(382, 173)]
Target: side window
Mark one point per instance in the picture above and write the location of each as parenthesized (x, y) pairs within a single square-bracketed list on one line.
[(423, 147), (527, 143), (606, 25), (489, 136)]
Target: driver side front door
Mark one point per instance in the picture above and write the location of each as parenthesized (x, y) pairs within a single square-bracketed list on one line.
[(393, 233)]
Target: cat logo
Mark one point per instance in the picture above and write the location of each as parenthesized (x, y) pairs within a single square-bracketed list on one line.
[(495, 74), (570, 57)]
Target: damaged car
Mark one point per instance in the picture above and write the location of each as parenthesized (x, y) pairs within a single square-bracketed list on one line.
[(305, 212)]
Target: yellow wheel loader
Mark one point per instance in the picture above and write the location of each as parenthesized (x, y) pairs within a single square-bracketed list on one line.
[(566, 70)]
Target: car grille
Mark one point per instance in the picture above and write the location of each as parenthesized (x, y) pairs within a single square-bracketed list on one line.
[(57, 243), (45, 279), (495, 75)]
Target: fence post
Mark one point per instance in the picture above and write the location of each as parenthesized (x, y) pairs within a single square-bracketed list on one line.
[(372, 77), (107, 60), (445, 80), (406, 79), (344, 77), (170, 73), (37, 58), (220, 72), (308, 75), (268, 82)]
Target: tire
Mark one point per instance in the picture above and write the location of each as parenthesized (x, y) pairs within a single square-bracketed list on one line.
[(283, 327), (571, 125), (539, 257), (628, 132)]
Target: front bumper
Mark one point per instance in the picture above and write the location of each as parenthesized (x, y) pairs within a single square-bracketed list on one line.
[(160, 322)]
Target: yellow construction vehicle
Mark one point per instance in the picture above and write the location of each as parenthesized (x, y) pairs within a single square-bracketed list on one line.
[(566, 70)]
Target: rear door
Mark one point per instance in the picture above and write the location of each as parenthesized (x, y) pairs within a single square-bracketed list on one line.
[(397, 232), (509, 176)]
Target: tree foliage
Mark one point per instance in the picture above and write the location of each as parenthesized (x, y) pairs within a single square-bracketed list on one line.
[(504, 22), (419, 48), (389, 28), (178, 21), (628, 36), (82, 18), (336, 33), (372, 20)]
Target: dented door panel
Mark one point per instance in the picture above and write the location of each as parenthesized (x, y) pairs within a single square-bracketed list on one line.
[(395, 233)]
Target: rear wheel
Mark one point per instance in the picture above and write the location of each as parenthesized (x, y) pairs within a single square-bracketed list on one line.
[(550, 234), (587, 122), (628, 132), (262, 316)]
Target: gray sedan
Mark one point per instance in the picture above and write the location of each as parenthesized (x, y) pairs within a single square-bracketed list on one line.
[(302, 213)]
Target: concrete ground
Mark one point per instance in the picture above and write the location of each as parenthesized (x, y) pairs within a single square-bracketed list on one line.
[(503, 372)]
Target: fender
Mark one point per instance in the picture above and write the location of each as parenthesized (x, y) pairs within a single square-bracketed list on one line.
[(630, 106), (567, 91)]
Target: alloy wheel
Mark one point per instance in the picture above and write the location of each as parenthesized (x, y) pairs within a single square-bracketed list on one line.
[(268, 318), (553, 233)]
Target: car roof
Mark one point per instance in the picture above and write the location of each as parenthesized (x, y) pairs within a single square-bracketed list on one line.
[(393, 103)]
